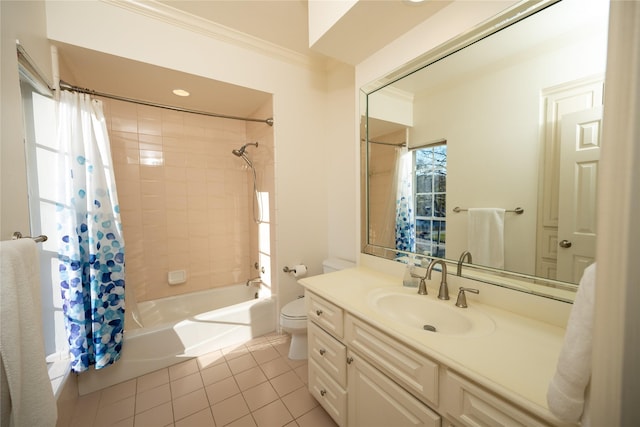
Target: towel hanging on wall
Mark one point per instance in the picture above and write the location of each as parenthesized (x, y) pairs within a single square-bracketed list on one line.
[(27, 396), (485, 236)]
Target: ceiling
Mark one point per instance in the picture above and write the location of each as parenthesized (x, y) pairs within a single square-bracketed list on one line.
[(281, 23)]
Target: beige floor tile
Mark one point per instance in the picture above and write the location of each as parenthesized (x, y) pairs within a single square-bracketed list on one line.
[(210, 359), (282, 348), (317, 417), (215, 373), (303, 373), (186, 385), (159, 416), (117, 392), (203, 418), (274, 414), (153, 380), (229, 410), (246, 421), (127, 422), (183, 369), (234, 351), (260, 395), (275, 367), (286, 383), (242, 363), (292, 424), (152, 398), (250, 378), (299, 402), (117, 411), (189, 404), (265, 354), (221, 390)]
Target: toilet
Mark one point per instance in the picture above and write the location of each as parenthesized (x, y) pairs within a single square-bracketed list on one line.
[(293, 316)]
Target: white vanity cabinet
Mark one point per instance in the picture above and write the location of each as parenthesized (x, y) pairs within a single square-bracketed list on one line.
[(375, 400), (364, 377), (327, 357)]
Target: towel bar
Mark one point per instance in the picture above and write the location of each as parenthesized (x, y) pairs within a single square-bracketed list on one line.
[(518, 210), (38, 239)]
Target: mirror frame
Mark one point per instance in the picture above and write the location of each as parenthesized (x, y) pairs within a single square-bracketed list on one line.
[(549, 288)]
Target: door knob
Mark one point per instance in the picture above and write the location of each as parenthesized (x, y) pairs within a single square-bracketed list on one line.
[(565, 244)]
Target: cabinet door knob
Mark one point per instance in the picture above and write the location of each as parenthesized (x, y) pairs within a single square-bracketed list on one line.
[(322, 351), (349, 360), (318, 312), (323, 392)]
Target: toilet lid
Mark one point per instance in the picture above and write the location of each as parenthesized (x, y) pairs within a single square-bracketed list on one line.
[(295, 309)]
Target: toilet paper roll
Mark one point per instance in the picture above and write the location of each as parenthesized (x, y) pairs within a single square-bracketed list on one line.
[(299, 270)]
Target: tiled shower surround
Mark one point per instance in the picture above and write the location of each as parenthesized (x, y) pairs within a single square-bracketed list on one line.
[(185, 199)]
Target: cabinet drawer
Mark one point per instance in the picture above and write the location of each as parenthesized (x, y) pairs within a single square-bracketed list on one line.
[(415, 372), (376, 401), (329, 353), (327, 315), (331, 396), (474, 407)]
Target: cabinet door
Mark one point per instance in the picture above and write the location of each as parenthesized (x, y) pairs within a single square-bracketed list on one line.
[(376, 401)]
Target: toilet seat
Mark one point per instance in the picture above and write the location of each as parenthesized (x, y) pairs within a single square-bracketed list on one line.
[(295, 310)]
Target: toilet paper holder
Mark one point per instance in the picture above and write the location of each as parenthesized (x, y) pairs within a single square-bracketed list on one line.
[(289, 270)]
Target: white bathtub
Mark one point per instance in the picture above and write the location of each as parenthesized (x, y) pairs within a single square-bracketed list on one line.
[(181, 327)]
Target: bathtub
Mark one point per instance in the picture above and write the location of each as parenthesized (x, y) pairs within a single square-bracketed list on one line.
[(178, 328)]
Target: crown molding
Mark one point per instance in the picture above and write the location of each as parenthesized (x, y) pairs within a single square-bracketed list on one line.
[(190, 22)]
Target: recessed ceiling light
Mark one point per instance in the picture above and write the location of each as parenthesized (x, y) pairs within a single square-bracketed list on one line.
[(414, 1), (181, 92)]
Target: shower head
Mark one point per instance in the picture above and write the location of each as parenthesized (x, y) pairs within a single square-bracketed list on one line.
[(240, 151)]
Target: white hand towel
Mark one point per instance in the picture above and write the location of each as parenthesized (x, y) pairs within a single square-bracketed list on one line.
[(21, 337), (485, 236), (568, 393)]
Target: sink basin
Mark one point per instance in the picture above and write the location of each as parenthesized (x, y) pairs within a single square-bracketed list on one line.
[(429, 314)]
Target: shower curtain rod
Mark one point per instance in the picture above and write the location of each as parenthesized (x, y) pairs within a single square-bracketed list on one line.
[(66, 86)]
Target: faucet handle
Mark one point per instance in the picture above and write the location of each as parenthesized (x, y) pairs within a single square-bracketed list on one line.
[(462, 298)]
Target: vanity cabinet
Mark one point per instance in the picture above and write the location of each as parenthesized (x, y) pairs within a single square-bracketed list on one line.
[(364, 377), (327, 357), (375, 400)]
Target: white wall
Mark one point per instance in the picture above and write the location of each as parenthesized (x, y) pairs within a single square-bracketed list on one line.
[(300, 110)]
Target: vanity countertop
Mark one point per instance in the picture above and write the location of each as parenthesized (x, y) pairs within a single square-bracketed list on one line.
[(517, 360)]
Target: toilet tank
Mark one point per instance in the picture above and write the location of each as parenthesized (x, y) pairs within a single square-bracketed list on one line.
[(335, 264)]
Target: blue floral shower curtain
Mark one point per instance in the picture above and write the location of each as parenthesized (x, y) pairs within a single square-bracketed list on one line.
[(90, 245), (405, 221)]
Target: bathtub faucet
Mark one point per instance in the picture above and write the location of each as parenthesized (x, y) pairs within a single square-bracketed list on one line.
[(255, 281)]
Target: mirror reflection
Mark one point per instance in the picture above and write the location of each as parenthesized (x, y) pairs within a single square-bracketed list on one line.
[(494, 149)]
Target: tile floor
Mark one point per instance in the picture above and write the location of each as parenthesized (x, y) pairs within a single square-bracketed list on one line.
[(252, 384)]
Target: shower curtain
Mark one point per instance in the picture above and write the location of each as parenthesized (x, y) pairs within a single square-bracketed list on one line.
[(405, 222), (90, 243)]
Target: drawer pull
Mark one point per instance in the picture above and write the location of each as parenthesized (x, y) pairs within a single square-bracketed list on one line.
[(349, 360), (318, 312), (323, 392), (322, 351)]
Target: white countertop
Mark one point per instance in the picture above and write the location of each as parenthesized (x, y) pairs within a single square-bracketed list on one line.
[(517, 360)]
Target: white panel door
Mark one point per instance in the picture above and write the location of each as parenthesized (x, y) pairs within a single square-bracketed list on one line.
[(580, 152)]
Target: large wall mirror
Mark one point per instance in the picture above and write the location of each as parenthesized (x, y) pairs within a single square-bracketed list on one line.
[(506, 117)]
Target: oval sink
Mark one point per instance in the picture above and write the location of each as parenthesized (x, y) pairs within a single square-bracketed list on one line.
[(426, 313)]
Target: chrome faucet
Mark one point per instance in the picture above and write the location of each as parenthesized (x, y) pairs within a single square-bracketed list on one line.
[(462, 298), (443, 292), (465, 254)]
